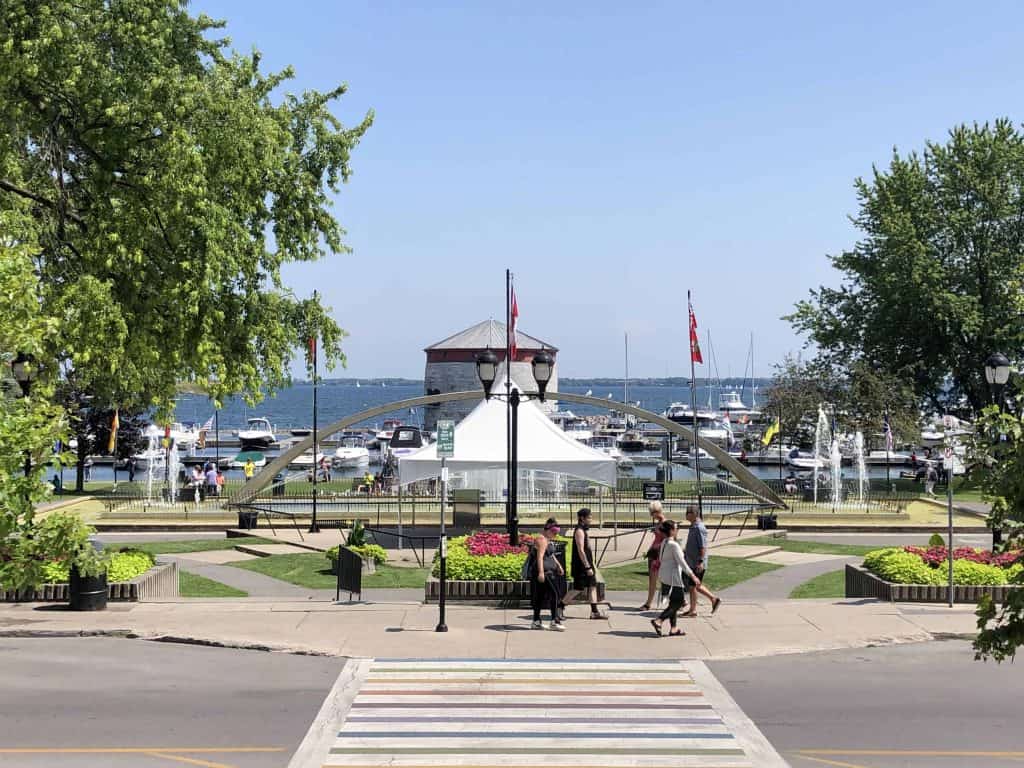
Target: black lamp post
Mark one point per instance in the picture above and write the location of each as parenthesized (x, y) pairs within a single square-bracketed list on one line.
[(997, 373), (486, 369), (24, 369)]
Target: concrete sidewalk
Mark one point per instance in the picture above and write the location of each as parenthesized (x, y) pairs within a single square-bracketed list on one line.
[(407, 629)]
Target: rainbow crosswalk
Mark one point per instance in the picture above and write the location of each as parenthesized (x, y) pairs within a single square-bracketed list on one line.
[(422, 713)]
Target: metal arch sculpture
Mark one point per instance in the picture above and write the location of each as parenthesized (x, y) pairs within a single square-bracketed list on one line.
[(744, 476)]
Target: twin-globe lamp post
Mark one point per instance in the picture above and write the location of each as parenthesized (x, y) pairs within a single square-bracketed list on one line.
[(487, 370), (25, 370), (997, 373)]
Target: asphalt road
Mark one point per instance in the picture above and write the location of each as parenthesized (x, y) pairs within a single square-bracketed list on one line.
[(912, 706), (107, 694)]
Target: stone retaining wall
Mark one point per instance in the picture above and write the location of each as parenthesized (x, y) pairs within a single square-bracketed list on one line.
[(159, 582), (486, 592), (860, 582)]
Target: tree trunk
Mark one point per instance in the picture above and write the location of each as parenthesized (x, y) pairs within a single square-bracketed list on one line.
[(82, 455)]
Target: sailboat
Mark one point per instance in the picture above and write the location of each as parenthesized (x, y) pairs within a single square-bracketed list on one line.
[(731, 403), (357, 385)]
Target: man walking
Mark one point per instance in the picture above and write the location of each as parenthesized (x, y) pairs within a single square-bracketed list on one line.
[(696, 553), (584, 571)]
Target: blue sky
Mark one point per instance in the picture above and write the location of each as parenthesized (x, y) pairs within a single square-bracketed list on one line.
[(615, 155)]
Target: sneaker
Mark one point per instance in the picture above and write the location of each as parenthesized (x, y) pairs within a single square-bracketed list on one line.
[(557, 626), (537, 625)]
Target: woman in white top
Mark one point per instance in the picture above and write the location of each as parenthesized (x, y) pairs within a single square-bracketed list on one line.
[(675, 575)]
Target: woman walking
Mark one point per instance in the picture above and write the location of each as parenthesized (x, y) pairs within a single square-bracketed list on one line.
[(545, 571), (657, 518), (674, 574)]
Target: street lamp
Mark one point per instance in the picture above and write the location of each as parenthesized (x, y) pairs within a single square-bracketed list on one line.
[(486, 371), (997, 373), (25, 370)]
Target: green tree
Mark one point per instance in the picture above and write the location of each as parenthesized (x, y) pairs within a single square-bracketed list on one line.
[(934, 284), (1000, 448), (171, 180), (797, 389)]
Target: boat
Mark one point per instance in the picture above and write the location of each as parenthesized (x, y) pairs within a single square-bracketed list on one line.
[(731, 404), (632, 442), (239, 461), (893, 458), (574, 426), (305, 459), (405, 441), (185, 435), (606, 445), (803, 460), (301, 432), (351, 452), (707, 462), (384, 435), (257, 434)]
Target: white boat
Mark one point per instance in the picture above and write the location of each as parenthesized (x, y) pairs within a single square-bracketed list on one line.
[(405, 441), (606, 444), (305, 460), (708, 463), (576, 427), (185, 435), (804, 460), (257, 434), (383, 436), (732, 404), (151, 457), (882, 457), (352, 452)]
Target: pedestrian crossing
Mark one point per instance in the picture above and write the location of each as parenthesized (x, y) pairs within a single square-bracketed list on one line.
[(421, 713)]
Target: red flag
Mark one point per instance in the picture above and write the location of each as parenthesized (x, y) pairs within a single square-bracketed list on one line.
[(514, 314), (695, 355), (312, 348)]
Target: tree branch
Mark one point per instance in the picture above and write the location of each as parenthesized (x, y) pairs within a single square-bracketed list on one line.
[(21, 192)]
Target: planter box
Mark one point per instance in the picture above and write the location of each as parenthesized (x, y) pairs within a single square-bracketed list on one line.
[(493, 593), (860, 582), (159, 582)]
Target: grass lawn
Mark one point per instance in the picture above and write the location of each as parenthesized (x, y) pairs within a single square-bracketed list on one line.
[(722, 572), (314, 571), (191, 585), (178, 547), (815, 547), (831, 584)]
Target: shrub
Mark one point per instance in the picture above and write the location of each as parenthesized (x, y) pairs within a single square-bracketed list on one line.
[(464, 565), (374, 552), (906, 568), (874, 558), (966, 572), (1015, 574), (123, 566), (936, 540)]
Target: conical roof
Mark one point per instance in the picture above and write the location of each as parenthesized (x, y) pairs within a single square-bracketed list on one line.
[(489, 334)]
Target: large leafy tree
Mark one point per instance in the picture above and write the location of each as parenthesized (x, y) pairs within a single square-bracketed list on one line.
[(169, 180), (934, 284)]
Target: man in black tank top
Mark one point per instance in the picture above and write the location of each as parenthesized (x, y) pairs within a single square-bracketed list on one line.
[(584, 570)]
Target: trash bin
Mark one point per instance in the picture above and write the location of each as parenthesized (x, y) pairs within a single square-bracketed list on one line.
[(246, 520), (278, 487)]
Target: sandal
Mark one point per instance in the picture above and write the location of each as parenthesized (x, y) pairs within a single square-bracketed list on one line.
[(597, 615), (644, 607), (657, 627), (714, 605), (676, 633)]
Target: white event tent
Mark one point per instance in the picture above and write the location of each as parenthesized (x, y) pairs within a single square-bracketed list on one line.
[(546, 454)]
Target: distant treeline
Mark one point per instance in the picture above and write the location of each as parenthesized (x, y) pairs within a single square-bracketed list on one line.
[(672, 381)]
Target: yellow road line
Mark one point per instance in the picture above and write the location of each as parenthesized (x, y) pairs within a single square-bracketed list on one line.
[(130, 750), (907, 753), (189, 760), (836, 763)]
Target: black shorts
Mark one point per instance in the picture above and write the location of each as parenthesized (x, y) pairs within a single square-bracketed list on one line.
[(584, 580)]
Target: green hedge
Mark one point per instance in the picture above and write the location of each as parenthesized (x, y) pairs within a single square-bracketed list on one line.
[(463, 566), (124, 566), (900, 567)]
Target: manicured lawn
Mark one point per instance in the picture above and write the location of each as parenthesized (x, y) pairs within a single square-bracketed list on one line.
[(178, 547), (815, 547), (831, 584), (722, 572), (314, 571), (191, 585)]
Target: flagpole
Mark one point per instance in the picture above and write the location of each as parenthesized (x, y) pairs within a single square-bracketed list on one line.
[(508, 402), (115, 448), (313, 527), (779, 435), (888, 441), (693, 407)]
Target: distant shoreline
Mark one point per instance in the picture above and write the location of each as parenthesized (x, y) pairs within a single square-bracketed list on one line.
[(604, 381)]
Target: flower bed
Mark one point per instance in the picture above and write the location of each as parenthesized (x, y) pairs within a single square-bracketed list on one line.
[(124, 566), (484, 556), (373, 552), (928, 566)]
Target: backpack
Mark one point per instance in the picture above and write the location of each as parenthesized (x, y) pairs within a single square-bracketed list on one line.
[(529, 565)]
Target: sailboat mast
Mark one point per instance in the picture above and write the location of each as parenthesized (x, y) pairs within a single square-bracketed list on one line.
[(625, 383)]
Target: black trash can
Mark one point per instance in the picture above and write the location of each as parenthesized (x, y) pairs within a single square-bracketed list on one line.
[(87, 593), (246, 520), (278, 487)]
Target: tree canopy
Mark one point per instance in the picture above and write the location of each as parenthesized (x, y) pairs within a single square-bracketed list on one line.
[(934, 285), (168, 180)]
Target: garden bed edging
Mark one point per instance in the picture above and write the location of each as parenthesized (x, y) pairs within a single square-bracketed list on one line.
[(860, 582), (159, 582)]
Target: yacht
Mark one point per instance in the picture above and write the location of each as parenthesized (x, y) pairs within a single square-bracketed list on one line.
[(257, 434), (707, 462), (606, 445), (574, 426), (804, 460), (632, 442), (384, 435), (884, 457), (405, 440), (351, 452), (732, 404)]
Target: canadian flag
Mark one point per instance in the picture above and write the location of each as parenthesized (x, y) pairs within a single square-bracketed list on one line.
[(514, 314)]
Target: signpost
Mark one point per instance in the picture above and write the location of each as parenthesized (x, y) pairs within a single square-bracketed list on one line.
[(445, 450), (947, 464)]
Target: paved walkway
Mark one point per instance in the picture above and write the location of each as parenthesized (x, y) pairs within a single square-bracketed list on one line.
[(422, 713), (407, 629), (255, 584), (778, 584)]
